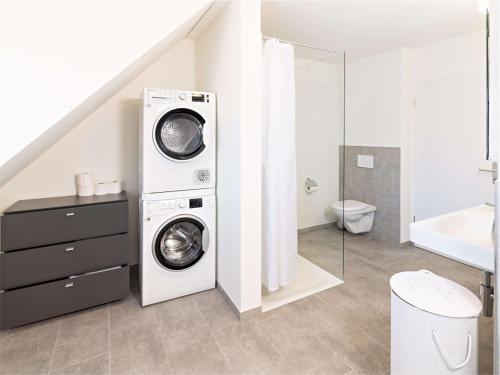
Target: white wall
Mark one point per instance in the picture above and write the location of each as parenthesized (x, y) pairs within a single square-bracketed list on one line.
[(106, 142), (70, 60), (373, 96), (218, 70), (450, 135), (442, 137), (408, 69), (227, 63), (251, 157), (319, 125)]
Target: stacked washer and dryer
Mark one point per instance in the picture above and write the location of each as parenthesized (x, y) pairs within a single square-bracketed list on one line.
[(177, 185)]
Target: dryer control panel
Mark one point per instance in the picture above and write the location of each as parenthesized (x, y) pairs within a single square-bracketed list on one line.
[(172, 96)]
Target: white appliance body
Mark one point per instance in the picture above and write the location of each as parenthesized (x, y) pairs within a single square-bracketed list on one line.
[(177, 141), (178, 244)]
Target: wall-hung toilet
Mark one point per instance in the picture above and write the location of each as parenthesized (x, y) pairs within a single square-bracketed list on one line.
[(356, 217)]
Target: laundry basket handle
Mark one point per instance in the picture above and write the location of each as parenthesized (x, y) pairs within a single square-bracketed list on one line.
[(445, 356)]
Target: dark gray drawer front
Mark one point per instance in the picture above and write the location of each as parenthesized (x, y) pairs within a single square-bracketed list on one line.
[(30, 304), (47, 227), (25, 267)]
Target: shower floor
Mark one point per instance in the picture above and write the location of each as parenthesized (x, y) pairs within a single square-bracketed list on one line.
[(310, 279)]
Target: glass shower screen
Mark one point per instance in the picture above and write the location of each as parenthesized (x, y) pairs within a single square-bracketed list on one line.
[(319, 90)]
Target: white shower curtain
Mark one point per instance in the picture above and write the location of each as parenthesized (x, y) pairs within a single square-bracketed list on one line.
[(279, 184)]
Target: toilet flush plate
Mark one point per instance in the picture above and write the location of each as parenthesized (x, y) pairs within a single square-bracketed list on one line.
[(365, 161)]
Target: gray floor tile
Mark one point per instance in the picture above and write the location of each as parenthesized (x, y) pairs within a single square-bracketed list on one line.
[(215, 311), (301, 345), (29, 327), (82, 335), (247, 351), (138, 350), (357, 348), (28, 351), (128, 313), (94, 366), (194, 352), (178, 315)]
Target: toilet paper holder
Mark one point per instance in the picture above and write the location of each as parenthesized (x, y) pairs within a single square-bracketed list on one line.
[(311, 185)]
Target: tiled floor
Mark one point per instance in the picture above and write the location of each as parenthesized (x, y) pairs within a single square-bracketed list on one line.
[(343, 330), (324, 247)]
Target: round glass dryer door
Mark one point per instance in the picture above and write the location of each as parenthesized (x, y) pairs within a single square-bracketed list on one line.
[(180, 243), (178, 134)]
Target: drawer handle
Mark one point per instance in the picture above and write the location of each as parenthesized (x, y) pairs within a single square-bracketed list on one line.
[(68, 249), (68, 285), (70, 214)]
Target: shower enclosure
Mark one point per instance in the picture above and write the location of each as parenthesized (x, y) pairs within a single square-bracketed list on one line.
[(303, 171), (320, 127)]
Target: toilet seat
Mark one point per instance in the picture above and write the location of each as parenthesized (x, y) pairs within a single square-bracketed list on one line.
[(354, 216), (353, 207)]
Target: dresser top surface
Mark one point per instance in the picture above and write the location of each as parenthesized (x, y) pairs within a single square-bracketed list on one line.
[(29, 205)]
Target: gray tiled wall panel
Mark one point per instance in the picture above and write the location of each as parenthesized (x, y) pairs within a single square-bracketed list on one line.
[(379, 186)]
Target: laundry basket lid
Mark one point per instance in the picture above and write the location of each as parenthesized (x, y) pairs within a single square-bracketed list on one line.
[(350, 205), (435, 294)]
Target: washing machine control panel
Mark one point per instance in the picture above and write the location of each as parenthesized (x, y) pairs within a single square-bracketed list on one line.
[(160, 208), (169, 207)]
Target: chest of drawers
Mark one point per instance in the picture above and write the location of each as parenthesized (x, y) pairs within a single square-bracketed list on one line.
[(62, 254)]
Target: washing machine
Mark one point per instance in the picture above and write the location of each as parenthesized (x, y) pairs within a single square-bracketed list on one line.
[(177, 141), (178, 242)]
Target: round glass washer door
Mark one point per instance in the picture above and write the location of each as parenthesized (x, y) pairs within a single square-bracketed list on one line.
[(180, 243), (178, 134)]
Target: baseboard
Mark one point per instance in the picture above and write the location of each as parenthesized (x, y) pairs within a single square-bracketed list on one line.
[(228, 300), (322, 226), (245, 315), (251, 314)]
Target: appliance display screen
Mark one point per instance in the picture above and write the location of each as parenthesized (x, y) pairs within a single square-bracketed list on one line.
[(196, 203), (197, 98)]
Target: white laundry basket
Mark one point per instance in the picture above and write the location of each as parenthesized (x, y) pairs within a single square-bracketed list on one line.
[(434, 326)]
